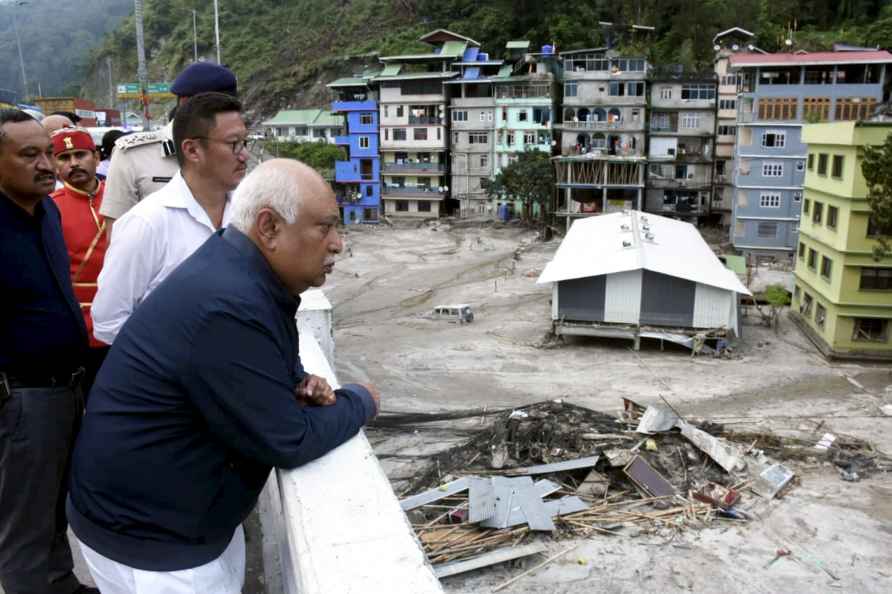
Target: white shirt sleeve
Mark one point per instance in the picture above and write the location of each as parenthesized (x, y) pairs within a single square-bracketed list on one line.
[(133, 260)]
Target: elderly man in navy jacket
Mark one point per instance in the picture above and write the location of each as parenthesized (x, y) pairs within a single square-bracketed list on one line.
[(203, 393)]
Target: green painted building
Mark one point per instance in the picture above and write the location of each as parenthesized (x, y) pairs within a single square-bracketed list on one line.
[(843, 296)]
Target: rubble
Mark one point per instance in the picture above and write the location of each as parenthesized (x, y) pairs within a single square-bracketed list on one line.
[(646, 469)]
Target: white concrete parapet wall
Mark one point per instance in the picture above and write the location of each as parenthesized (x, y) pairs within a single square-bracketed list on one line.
[(337, 522), (314, 317)]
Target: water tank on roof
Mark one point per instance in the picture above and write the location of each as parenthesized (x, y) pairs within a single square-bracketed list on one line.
[(483, 57), (548, 49)]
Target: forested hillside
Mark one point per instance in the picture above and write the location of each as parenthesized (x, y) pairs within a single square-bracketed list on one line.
[(56, 37), (284, 51)]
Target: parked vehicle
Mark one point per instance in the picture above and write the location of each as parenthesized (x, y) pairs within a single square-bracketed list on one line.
[(460, 313)]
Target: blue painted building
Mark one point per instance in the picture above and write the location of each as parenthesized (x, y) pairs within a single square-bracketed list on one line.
[(358, 179), (777, 93)]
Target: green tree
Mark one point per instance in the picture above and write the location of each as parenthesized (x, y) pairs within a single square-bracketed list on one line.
[(321, 156), (876, 165), (777, 297), (529, 179)]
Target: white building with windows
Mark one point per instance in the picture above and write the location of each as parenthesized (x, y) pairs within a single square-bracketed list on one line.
[(304, 125)]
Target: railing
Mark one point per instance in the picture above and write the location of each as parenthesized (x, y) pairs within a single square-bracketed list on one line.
[(367, 105), (425, 120), (413, 167), (414, 192), (615, 125), (335, 523)]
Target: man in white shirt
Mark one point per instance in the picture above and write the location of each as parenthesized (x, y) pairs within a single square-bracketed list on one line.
[(156, 235)]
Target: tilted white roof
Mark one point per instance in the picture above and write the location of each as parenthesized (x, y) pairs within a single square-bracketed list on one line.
[(633, 240)]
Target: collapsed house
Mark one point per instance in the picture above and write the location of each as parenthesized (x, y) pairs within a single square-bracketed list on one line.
[(633, 275)]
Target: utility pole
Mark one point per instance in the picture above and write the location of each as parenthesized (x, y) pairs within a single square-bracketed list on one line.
[(141, 68), (195, 34), (217, 28), (111, 83), (18, 41)]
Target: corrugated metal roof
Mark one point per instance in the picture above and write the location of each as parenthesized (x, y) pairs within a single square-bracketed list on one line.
[(391, 70), (454, 49), (505, 71), (444, 35), (472, 73), (594, 247), (812, 59), (348, 82), (416, 57), (471, 54), (417, 75), (517, 45), (326, 118), (294, 117)]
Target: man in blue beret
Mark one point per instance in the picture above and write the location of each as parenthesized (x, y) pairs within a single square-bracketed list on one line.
[(143, 163)]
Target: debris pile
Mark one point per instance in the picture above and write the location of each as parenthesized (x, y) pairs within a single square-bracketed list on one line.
[(566, 470)]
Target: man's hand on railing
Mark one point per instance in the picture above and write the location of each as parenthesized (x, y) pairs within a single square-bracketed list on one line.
[(314, 391), (376, 397)]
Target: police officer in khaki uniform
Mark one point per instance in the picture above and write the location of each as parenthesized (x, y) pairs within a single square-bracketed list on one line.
[(142, 163)]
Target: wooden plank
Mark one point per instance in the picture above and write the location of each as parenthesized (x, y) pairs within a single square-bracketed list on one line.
[(487, 559), (456, 486)]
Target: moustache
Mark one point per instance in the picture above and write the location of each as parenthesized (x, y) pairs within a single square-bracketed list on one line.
[(45, 177)]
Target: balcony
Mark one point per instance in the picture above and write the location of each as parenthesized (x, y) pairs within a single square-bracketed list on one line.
[(399, 168), (414, 192), (342, 106), (348, 171), (425, 121)]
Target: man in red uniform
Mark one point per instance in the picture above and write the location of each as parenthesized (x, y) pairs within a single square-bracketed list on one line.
[(82, 226)]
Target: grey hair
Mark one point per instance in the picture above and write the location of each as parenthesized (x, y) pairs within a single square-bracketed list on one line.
[(270, 185)]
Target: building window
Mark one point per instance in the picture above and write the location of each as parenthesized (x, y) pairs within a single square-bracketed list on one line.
[(400, 111), (797, 196), (635, 89), (570, 88), (695, 92), (665, 92), (690, 120), (870, 329), (727, 104), (766, 230), (459, 116), (510, 139), (801, 251), (488, 116), (419, 133), (402, 205), (366, 119), (424, 206), (523, 115), (482, 116), (816, 108), (727, 130), (818, 213), (370, 214), (812, 259), (822, 164), (681, 172), (800, 165), (484, 161), (399, 134), (772, 169), (796, 292), (854, 108), (478, 138), (779, 108), (774, 139), (770, 200), (811, 161), (820, 315), (616, 89), (529, 138), (836, 168), (720, 167), (805, 305), (805, 206), (364, 142), (832, 216), (876, 279), (826, 267)]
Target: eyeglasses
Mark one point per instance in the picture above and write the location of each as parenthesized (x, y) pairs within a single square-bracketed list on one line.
[(237, 146)]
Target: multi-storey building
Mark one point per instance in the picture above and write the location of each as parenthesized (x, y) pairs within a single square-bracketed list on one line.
[(304, 125), (602, 162), (472, 115), (843, 296), (777, 93), (526, 97), (358, 179), (414, 135), (726, 43), (682, 141)]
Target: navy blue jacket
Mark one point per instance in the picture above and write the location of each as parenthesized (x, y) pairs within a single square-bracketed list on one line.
[(193, 407), (42, 330)]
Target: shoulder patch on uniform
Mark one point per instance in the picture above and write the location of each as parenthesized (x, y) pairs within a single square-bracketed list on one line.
[(138, 139)]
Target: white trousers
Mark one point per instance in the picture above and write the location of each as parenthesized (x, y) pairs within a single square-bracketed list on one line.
[(223, 575)]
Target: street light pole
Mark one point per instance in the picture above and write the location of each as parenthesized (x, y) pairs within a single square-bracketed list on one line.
[(195, 34), (217, 28), (141, 68), (18, 41)]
